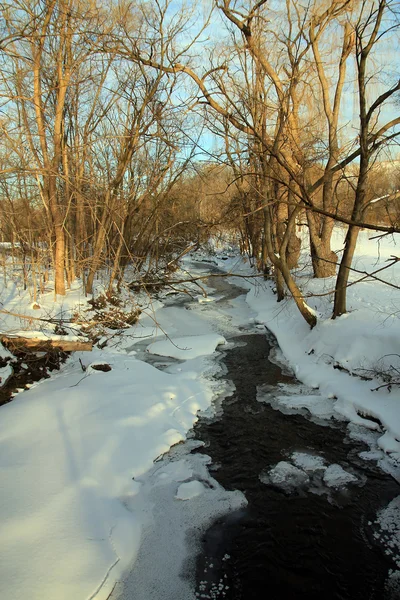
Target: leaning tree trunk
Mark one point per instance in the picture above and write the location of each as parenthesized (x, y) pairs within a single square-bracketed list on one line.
[(281, 266), (284, 213), (350, 243)]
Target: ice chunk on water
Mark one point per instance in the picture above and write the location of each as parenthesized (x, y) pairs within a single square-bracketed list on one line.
[(335, 476), (285, 476), (308, 462)]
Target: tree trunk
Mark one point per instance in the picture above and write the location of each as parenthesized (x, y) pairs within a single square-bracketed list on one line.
[(59, 237), (340, 307), (281, 266), (293, 251), (59, 261), (99, 245), (117, 258), (323, 259)]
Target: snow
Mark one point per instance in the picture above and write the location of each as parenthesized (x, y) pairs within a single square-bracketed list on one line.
[(335, 476), (84, 493), (389, 444), (388, 529), (189, 490), (285, 476), (69, 449), (76, 452), (6, 371), (5, 374), (47, 335), (188, 347), (365, 342), (20, 315)]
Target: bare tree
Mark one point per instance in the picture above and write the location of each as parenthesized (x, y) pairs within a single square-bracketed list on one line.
[(320, 226), (42, 53), (369, 29)]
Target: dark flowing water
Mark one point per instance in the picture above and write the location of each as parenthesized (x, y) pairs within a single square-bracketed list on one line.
[(287, 546)]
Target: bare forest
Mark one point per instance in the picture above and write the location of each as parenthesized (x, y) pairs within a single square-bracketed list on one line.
[(134, 131)]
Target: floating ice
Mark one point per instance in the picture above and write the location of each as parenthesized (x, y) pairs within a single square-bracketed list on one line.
[(335, 476), (308, 462), (285, 476)]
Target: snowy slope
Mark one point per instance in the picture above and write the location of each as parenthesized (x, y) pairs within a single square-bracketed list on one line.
[(69, 450)]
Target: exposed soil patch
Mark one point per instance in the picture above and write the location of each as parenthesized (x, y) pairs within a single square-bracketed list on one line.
[(29, 367), (104, 367)]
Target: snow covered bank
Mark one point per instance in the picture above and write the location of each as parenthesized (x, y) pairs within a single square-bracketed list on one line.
[(188, 347), (70, 450), (365, 342), (76, 451)]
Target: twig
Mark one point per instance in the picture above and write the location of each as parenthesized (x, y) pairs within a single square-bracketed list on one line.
[(386, 385), (78, 382)]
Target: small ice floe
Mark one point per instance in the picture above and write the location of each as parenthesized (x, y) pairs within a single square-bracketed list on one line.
[(188, 347), (294, 399), (308, 473), (285, 476), (336, 477), (308, 462)]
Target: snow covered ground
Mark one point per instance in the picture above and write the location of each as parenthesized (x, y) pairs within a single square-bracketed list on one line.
[(80, 495), (71, 449), (78, 486)]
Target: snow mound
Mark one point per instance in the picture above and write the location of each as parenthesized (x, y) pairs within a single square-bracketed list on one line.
[(389, 444), (189, 490), (335, 477), (188, 347)]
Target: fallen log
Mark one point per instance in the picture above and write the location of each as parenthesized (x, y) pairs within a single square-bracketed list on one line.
[(43, 345)]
